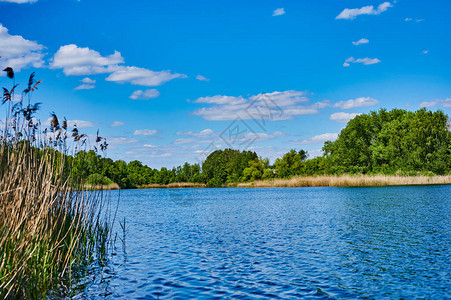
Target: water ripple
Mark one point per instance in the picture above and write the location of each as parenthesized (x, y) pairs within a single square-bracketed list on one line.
[(310, 243)]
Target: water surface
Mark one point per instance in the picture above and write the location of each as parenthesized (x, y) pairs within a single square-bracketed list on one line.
[(280, 243)]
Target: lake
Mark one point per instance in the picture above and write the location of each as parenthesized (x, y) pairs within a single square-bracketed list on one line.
[(279, 243)]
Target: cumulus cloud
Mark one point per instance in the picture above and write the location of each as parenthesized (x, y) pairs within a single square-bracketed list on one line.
[(425, 51), (361, 41), (19, 53), (84, 87), (352, 13), (317, 139), (76, 60), (88, 84), (202, 78), (141, 76), (278, 12), (116, 124), (145, 95), (342, 117), (437, 102), (266, 106), (88, 80), (365, 61), (145, 132), (358, 102)]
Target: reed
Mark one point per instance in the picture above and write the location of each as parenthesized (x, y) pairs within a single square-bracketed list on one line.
[(51, 228), (350, 181), (102, 187)]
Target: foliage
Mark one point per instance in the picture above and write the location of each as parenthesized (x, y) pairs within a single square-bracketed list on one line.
[(384, 142), (389, 142)]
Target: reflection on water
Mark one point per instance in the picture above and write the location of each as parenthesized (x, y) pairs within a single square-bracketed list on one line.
[(279, 243)]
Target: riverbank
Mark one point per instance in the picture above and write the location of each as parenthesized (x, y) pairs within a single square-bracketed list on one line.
[(111, 186), (174, 185), (317, 181), (349, 181)]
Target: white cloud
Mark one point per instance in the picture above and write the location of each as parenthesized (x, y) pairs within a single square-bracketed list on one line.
[(203, 133), (145, 132), (352, 13), (365, 61), (425, 51), (361, 41), (318, 139), (76, 60), (80, 123), (204, 136), (260, 136), (145, 95), (18, 53), (441, 102), (72, 123), (84, 86), (416, 20), (121, 141), (268, 106), (279, 12), (88, 80), (342, 117), (202, 78), (141, 76), (358, 102), (192, 140), (19, 1), (88, 84), (116, 124), (209, 136)]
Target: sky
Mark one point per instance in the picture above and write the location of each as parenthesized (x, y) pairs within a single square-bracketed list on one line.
[(167, 82)]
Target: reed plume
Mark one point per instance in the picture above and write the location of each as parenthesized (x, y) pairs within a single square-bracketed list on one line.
[(50, 227)]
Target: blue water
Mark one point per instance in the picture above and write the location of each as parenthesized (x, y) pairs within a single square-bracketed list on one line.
[(279, 243)]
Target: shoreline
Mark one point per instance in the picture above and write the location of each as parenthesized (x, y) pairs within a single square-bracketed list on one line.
[(323, 181), (350, 181), (307, 181), (173, 185)]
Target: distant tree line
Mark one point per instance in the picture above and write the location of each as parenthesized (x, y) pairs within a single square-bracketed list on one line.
[(382, 142)]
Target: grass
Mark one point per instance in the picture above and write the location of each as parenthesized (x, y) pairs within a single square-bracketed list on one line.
[(50, 227), (349, 181)]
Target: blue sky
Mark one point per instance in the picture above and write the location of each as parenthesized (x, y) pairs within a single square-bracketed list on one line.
[(169, 81)]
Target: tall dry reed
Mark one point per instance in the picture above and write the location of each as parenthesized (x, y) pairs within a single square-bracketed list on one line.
[(50, 228), (349, 181)]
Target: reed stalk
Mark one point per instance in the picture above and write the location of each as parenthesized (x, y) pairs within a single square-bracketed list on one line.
[(349, 181), (51, 228)]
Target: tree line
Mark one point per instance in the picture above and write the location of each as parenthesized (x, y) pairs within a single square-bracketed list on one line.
[(381, 142)]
